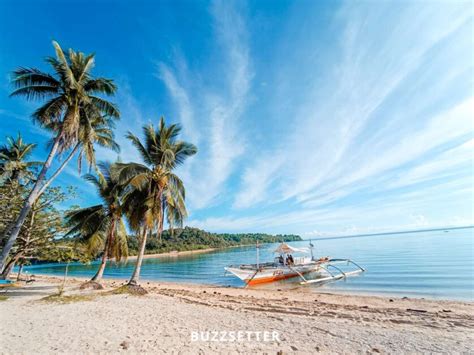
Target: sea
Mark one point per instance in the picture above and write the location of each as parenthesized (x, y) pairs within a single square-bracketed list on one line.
[(430, 264)]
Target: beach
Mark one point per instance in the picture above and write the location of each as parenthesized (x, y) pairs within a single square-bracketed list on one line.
[(171, 254), (178, 318)]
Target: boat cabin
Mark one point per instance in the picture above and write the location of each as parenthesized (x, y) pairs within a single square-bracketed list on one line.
[(286, 255)]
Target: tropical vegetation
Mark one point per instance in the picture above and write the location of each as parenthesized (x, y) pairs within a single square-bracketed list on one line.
[(101, 227), (72, 111), (37, 239), (141, 206), (188, 238), (154, 190)]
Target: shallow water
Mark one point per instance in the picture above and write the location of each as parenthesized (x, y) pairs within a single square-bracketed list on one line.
[(429, 264)]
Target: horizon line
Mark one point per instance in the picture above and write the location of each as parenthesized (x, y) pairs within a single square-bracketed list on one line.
[(392, 233)]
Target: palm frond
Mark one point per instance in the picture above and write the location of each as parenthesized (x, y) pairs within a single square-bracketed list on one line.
[(141, 149), (64, 69), (124, 172), (105, 106), (183, 150), (33, 92), (100, 86), (50, 111), (23, 77), (120, 245)]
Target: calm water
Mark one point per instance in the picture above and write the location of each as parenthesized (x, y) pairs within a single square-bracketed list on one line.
[(430, 264)]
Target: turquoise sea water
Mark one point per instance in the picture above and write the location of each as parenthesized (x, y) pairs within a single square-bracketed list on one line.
[(429, 264)]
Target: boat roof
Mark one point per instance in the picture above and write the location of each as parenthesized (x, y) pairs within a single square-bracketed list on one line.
[(284, 248)]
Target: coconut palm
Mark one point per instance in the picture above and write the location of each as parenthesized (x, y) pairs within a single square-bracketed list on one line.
[(72, 103), (154, 190), (14, 166), (101, 226)]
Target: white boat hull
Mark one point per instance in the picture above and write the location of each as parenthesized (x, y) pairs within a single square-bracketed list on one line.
[(265, 275)]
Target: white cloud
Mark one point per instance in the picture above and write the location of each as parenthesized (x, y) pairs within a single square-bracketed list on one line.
[(405, 210), (371, 144), (349, 135), (133, 117), (218, 112), (255, 181), (180, 97)]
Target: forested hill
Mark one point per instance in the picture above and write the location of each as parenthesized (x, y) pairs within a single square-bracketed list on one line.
[(193, 239)]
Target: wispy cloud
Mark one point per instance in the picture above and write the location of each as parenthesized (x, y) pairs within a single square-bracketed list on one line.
[(344, 134), (313, 118), (133, 117), (180, 97), (219, 135), (390, 113)]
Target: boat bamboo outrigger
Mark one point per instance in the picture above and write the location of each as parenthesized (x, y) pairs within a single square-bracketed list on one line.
[(286, 266)]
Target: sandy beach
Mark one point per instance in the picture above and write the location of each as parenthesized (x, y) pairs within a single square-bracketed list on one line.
[(171, 254), (164, 320)]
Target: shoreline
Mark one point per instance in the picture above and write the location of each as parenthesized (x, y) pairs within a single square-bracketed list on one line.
[(163, 320), (171, 253), (293, 292), (265, 287)]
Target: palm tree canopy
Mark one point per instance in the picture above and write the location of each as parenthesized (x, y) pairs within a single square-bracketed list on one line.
[(154, 190), (70, 93), (13, 159), (93, 224), (95, 130), (161, 147)]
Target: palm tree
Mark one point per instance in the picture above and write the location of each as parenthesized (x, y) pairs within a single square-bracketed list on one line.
[(102, 226), (153, 189), (72, 103), (14, 166)]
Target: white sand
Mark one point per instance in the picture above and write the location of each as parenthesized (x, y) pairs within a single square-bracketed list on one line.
[(162, 322)]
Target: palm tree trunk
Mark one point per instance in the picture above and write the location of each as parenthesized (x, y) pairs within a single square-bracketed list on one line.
[(32, 197), (98, 276), (59, 170), (162, 226), (136, 273), (19, 272), (8, 268), (100, 272), (162, 215), (61, 287)]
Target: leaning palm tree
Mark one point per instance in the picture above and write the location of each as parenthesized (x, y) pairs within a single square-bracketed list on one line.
[(14, 166), (72, 100), (153, 188), (101, 226)]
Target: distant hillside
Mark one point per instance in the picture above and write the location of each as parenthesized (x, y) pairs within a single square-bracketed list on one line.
[(193, 239)]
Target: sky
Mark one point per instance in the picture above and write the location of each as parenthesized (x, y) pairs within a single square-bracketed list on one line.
[(318, 118)]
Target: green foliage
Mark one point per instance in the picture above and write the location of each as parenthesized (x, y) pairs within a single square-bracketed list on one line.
[(75, 111), (154, 189), (188, 238), (11, 200), (74, 108), (40, 236), (14, 168), (101, 227)]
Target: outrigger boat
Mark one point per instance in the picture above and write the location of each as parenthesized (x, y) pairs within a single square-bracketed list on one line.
[(286, 266)]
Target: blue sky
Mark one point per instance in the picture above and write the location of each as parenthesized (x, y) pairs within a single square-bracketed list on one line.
[(311, 117)]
